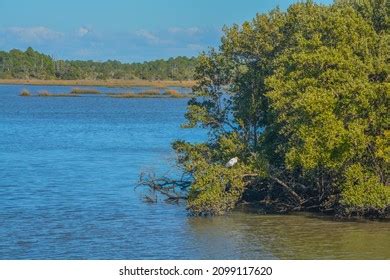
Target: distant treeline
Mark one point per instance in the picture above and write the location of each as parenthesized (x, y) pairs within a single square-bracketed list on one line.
[(31, 64)]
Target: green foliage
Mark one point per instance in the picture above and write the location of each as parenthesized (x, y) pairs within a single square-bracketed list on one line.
[(215, 189), (32, 64), (301, 97), (376, 12), (23, 65), (320, 89), (363, 189)]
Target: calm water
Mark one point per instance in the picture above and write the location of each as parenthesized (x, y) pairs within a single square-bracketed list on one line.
[(68, 167)]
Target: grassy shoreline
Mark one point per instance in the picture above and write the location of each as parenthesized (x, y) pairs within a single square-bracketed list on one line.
[(77, 92), (105, 83)]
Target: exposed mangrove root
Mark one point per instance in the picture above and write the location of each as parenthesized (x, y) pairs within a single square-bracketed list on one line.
[(172, 190), (270, 194)]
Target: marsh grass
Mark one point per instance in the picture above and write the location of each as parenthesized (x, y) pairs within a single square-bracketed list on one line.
[(25, 92), (135, 95), (45, 93), (150, 94), (173, 93), (85, 91)]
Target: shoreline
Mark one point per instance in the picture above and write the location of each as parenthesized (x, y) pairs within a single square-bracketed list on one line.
[(342, 215), (104, 83)]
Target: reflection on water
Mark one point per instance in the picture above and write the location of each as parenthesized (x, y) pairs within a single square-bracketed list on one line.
[(303, 236)]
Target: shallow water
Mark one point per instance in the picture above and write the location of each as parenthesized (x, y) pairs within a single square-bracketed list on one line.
[(68, 167)]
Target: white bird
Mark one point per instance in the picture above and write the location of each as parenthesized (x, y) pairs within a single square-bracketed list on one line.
[(232, 162)]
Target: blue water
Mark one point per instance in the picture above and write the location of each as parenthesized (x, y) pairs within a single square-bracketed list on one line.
[(68, 168)]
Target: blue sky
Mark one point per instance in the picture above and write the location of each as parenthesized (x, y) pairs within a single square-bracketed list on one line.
[(124, 30)]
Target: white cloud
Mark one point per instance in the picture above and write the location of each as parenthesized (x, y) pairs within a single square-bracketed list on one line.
[(82, 31), (193, 30), (151, 37), (85, 42), (174, 29), (188, 31), (147, 35), (34, 34)]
